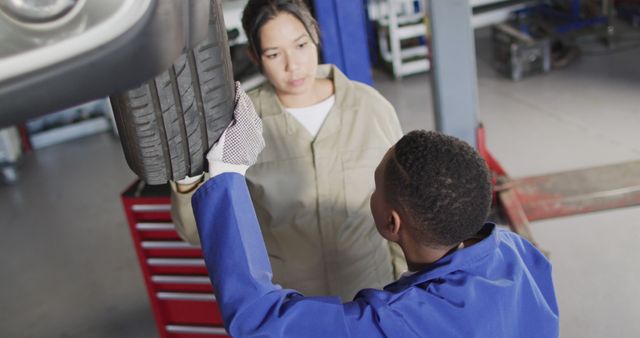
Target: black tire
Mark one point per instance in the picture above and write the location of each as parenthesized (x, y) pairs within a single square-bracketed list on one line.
[(167, 125)]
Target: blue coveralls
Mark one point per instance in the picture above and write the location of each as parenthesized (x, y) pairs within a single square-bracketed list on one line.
[(499, 287)]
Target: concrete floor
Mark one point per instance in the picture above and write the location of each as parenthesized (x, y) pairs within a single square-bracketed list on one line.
[(68, 267)]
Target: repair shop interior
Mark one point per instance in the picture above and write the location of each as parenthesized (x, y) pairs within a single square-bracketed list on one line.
[(122, 120)]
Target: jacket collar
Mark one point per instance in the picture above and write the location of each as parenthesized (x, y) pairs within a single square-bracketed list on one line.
[(458, 260)]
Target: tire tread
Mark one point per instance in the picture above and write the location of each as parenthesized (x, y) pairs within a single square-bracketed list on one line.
[(167, 125)]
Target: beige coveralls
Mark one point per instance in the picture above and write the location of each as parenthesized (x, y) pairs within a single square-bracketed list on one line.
[(312, 195)]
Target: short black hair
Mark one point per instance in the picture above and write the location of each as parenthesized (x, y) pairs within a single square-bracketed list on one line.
[(441, 184), (258, 12)]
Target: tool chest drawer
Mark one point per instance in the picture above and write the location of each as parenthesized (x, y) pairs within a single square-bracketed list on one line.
[(193, 331), (174, 248), (189, 308), (157, 231), (174, 272), (182, 283)]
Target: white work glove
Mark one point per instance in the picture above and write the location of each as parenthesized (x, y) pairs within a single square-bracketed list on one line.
[(241, 143)]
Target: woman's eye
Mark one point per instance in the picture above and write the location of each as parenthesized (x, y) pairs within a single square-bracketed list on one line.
[(302, 45), (271, 56)]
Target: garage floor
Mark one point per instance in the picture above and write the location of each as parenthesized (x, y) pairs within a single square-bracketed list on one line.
[(68, 268)]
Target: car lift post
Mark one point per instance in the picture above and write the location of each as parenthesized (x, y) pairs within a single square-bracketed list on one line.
[(454, 79)]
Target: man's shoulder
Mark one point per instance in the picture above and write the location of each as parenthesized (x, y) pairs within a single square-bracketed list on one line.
[(507, 237), (519, 246)]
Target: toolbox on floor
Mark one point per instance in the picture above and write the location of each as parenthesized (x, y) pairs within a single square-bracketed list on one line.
[(520, 52)]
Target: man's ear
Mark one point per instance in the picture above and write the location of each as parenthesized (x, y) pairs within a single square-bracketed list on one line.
[(393, 226)]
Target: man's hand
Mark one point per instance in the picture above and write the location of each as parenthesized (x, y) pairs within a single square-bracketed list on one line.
[(242, 141)]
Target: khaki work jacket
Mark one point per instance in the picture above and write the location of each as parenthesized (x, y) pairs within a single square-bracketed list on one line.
[(312, 195)]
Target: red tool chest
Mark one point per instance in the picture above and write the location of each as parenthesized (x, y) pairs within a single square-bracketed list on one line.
[(174, 272)]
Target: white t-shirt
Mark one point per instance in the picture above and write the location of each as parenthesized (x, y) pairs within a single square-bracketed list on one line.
[(313, 116)]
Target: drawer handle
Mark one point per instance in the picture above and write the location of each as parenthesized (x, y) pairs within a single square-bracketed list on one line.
[(150, 207), (175, 261), (155, 226), (196, 329), (202, 297), (200, 280), (167, 245)]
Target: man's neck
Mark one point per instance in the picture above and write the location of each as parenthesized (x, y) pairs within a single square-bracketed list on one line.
[(420, 256)]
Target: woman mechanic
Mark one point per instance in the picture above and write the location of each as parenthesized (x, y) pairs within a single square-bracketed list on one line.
[(311, 185)]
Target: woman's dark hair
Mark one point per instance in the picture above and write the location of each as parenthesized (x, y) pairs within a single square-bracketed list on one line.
[(258, 12), (441, 184)]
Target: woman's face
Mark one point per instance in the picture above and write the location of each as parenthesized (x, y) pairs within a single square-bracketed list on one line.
[(289, 56)]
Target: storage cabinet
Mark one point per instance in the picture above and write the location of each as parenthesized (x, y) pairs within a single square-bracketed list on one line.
[(174, 272)]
